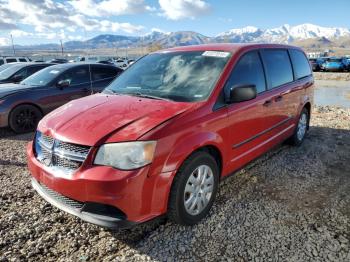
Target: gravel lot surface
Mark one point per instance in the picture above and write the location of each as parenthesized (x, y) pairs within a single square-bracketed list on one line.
[(332, 76), (291, 204)]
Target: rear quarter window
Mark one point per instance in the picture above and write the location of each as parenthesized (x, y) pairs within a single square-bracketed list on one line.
[(300, 64), (278, 67)]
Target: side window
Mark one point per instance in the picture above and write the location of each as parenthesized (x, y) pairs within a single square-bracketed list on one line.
[(22, 60), (33, 69), (11, 60), (300, 64), (99, 72), (76, 76), (22, 73), (248, 70), (278, 67), (1, 61)]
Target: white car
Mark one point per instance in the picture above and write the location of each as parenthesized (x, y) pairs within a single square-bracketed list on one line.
[(122, 63), (12, 59)]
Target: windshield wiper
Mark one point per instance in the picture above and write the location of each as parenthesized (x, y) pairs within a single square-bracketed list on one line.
[(148, 96)]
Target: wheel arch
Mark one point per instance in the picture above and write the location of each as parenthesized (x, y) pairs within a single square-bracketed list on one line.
[(22, 104)]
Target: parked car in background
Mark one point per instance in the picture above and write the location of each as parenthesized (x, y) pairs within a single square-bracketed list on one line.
[(159, 139), (16, 72), (12, 59), (58, 61), (23, 105), (122, 63), (316, 63), (333, 64), (346, 62)]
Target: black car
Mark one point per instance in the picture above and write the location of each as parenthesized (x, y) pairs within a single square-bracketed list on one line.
[(23, 105), (16, 72)]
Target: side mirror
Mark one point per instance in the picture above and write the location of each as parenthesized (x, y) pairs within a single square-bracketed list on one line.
[(17, 78), (63, 84), (241, 93)]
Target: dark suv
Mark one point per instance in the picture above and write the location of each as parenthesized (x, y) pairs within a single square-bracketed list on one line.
[(23, 105)]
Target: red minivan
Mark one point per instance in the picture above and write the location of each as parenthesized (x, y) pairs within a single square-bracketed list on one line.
[(159, 139)]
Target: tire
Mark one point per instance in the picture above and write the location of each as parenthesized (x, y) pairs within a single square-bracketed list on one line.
[(203, 194), (24, 118), (301, 129)]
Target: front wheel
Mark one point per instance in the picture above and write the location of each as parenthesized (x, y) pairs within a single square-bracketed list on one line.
[(194, 189), (301, 128), (24, 118)]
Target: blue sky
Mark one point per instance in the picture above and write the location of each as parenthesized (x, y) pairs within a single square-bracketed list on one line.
[(48, 21)]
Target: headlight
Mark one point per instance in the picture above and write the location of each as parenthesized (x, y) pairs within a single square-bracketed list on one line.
[(127, 155)]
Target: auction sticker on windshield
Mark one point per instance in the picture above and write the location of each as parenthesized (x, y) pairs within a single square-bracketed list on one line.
[(216, 54)]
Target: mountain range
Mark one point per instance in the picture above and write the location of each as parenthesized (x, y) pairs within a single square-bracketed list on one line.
[(307, 34)]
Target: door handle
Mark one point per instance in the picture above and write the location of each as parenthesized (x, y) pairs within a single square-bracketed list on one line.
[(267, 103), (278, 98)]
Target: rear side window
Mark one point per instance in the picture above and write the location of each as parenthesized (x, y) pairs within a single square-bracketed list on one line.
[(278, 67), (248, 70), (99, 73), (22, 60), (33, 69), (11, 60), (300, 64)]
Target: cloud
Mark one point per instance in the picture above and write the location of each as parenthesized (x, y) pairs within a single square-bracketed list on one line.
[(109, 7), (181, 9), (48, 17), (7, 26), (20, 33), (4, 41)]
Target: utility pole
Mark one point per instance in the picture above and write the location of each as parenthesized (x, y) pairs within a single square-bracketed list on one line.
[(13, 47), (61, 47)]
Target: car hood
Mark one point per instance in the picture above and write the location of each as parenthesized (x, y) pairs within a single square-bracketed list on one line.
[(101, 118), (8, 89)]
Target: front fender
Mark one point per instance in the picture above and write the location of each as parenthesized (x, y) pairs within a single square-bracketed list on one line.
[(188, 144)]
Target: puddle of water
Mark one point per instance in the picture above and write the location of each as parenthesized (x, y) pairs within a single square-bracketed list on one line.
[(332, 93)]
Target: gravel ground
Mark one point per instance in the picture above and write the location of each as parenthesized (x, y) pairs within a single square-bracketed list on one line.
[(332, 76), (291, 204)]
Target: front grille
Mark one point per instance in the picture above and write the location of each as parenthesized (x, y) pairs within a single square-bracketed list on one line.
[(62, 199), (61, 156)]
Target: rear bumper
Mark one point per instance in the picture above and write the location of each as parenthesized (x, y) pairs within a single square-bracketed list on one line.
[(91, 215)]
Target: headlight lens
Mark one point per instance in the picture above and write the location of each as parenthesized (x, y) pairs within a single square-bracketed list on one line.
[(127, 155)]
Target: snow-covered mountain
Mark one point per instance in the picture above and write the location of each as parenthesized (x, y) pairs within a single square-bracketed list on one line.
[(318, 35), (282, 34)]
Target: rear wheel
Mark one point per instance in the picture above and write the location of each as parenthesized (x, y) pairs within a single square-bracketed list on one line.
[(301, 128), (24, 118), (194, 189)]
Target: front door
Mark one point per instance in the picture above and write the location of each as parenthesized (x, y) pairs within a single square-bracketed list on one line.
[(246, 120), (79, 86)]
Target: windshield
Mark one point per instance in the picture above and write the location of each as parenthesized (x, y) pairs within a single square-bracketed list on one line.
[(177, 76), (334, 60), (44, 76), (10, 71)]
